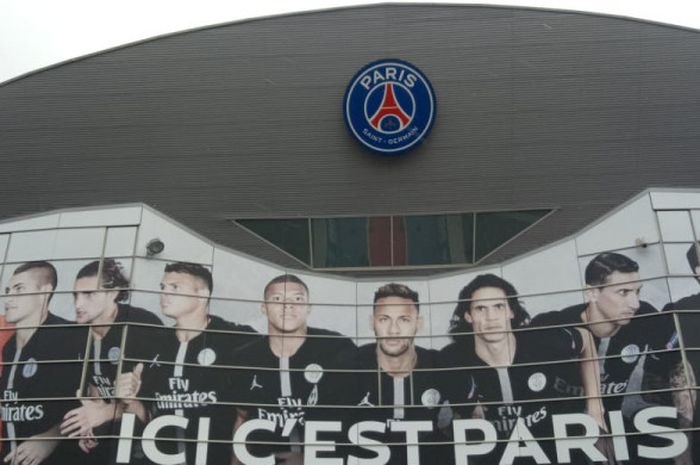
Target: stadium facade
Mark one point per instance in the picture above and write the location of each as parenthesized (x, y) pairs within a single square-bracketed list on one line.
[(209, 179)]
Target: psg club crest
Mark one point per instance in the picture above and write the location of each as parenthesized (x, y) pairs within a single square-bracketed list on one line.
[(389, 106)]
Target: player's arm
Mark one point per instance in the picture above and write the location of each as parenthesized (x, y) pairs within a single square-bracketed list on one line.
[(92, 413), (35, 449), (684, 398), (241, 417), (128, 386), (590, 376)]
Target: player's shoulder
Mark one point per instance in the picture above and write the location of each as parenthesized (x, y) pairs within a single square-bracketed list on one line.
[(313, 331), (427, 357), (330, 340), (691, 302), (457, 353), (645, 308), (131, 314), (54, 320), (219, 324), (568, 315), (255, 347), (648, 317), (364, 356), (59, 335)]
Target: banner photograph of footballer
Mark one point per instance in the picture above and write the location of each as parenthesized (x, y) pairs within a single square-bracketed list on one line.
[(178, 360)]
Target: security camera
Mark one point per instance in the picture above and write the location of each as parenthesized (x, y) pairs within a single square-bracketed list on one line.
[(154, 247)]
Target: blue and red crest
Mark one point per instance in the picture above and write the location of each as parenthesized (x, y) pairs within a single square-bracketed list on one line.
[(389, 106)]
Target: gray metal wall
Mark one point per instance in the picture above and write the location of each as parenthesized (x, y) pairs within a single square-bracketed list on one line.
[(536, 109)]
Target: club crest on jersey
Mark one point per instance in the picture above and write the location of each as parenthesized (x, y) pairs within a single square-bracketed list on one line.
[(313, 373), (206, 356), (113, 354), (630, 353), (30, 368), (537, 381), (389, 106), (430, 397)]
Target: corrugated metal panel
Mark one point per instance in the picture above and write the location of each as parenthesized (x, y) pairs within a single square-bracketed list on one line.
[(536, 109)]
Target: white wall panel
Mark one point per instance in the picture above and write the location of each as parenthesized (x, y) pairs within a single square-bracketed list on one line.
[(552, 270), (333, 303), (635, 221), (120, 241), (31, 245), (107, 216), (238, 277), (675, 226), (78, 243), (695, 218), (676, 258), (680, 287), (180, 245), (671, 200), (36, 222)]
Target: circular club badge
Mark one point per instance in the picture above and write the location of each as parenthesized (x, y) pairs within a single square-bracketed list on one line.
[(389, 106), (537, 381), (206, 356), (630, 353)]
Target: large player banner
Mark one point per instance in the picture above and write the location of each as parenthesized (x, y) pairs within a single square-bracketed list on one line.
[(202, 356)]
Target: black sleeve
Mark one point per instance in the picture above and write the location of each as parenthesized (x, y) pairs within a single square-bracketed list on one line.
[(547, 319), (455, 380), (571, 342), (662, 343)]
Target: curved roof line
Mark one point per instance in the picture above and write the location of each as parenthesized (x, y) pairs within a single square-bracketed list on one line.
[(339, 8)]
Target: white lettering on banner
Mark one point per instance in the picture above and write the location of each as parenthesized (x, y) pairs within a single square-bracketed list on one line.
[(356, 437), (617, 429), (21, 413), (183, 400), (506, 424), (563, 387), (521, 434), (241, 437), (521, 442), (464, 449), (679, 441), (290, 409), (412, 428), (150, 435), (313, 445), (585, 443)]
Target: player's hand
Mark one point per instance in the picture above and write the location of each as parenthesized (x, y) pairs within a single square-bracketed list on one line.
[(87, 444), (686, 458), (129, 384), (80, 421), (605, 445), (289, 458), (31, 452)]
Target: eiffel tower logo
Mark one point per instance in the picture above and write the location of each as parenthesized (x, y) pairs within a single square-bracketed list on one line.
[(389, 108)]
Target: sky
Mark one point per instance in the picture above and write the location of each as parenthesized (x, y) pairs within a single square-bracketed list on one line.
[(35, 34)]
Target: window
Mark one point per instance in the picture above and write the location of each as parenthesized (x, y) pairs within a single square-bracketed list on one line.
[(394, 241)]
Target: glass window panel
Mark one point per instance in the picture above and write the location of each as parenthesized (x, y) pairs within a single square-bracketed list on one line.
[(494, 229), (290, 235), (384, 241), (439, 239), (379, 240), (344, 242)]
